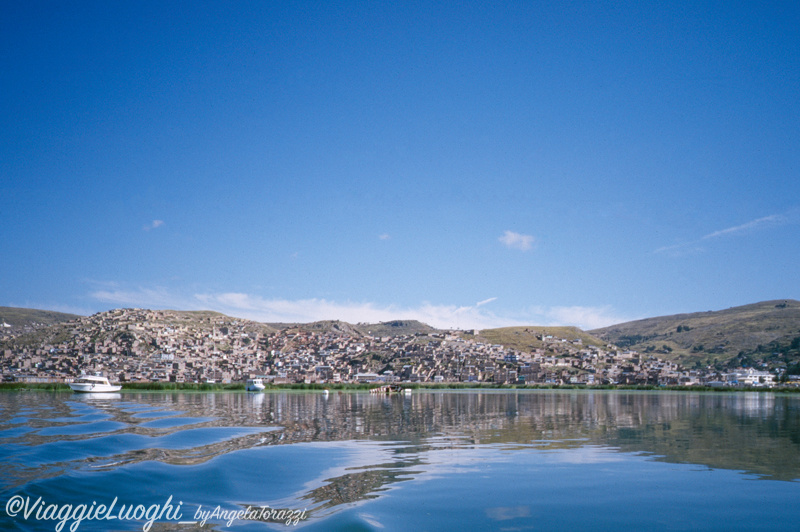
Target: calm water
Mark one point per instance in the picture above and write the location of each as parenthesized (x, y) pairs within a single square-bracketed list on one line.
[(500, 460)]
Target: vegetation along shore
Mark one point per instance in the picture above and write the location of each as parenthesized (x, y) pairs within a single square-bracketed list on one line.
[(240, 387)]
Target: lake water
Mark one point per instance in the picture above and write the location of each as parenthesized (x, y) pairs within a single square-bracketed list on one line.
[(450, 460)]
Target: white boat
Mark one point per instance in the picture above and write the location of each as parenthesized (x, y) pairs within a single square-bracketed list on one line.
[(255, 385), (91, 384), (388, 389)]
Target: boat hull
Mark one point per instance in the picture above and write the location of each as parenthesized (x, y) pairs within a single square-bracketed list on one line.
[(94, 388), (386, 390), (255, 385)]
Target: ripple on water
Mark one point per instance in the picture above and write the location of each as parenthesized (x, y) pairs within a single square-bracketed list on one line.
[(174, 422), (82, 428)]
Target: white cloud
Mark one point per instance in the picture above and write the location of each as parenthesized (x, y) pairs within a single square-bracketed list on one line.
[(586, 318), (271, 310), (384, 236), (155, 224), (309, 310), (517, 240)]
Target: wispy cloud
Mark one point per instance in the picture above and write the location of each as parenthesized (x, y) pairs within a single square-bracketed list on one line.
[(271, 310), (155, 224), (384, 236), (749, 227), (680, 250), (695, 246), (519, 241)]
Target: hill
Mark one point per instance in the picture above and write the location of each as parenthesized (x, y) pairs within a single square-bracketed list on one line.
[(395, 328), (320, 327), (132, 327), (534, 337), (387, 328), (14, 321), (749, 335), (768, 331)]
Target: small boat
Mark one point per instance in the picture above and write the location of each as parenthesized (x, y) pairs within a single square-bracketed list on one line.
[(385, 390), (255, 385), (92, 384)]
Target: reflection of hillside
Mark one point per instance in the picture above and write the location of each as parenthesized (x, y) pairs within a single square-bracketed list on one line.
[(748, 432), (356, 486), (732, 431)]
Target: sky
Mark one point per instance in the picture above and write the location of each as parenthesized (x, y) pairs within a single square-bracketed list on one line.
[(466, 164)]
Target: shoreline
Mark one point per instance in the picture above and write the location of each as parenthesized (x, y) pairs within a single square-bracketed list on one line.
[(240, 387)]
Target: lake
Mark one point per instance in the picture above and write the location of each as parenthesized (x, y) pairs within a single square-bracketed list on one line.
[(432, 460)]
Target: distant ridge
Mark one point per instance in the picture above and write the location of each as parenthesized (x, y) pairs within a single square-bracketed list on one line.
[(15, 320), (535, 337), (387, 328), (767, 332), (322, 327), (756, 331), (396, 328)]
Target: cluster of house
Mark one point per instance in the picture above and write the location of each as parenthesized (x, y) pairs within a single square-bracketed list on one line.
[(136, 345)]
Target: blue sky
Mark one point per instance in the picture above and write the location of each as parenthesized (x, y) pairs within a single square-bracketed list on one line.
[(468, 164)]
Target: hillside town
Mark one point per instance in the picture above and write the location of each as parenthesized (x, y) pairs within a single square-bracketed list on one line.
[(137, 345)]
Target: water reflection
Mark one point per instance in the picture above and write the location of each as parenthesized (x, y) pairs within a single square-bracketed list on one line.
[(45, 435)]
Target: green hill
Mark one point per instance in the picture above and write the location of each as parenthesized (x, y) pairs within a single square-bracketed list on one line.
[(768, 331), (531, 337)]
